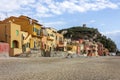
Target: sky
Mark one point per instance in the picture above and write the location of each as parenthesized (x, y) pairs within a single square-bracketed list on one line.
[(60, 14)]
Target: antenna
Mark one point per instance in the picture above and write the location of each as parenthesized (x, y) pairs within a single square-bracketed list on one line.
[(6, 14)]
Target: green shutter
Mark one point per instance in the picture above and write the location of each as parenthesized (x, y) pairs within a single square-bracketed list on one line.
[(12, 44), (17, 32)]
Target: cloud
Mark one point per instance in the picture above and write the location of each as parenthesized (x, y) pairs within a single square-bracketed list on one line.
[(14, 7), (56, 24), (92, 21), (102, 24), (8, 6), (86, 5), (49, 8), (112, 32)]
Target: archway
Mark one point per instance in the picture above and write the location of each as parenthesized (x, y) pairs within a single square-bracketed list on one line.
[(15, 44)]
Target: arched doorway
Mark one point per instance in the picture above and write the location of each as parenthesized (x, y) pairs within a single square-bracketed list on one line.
[(15, 44)]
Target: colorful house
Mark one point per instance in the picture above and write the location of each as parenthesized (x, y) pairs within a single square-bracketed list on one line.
[(100, 48), (51, 38), (11, 33), (44, 39), (60, 42), (4, 49), (22, 33), (31, 27)]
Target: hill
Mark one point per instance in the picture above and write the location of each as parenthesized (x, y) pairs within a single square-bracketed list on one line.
[(83, 32)]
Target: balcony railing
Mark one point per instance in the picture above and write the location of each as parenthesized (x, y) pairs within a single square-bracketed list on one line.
[(61, 42), (50, 38)]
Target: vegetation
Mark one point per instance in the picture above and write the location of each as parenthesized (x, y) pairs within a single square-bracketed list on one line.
[(118, 52), (79, 32)]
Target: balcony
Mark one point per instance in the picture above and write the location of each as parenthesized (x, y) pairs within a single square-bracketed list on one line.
[(37, 34), (34, 34), (50, 38), (61, 42)]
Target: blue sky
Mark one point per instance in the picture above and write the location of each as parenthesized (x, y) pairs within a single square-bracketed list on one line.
[(101, 14)]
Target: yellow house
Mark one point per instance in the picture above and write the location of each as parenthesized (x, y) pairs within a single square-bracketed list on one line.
[(60, 42), (11, 33), (29, 27), (25, 41), (51, 38), (55, 40), (72, 49), (44, 41)]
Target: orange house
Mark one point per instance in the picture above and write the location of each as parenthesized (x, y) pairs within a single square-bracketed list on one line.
[(30, 26), (22, 33)]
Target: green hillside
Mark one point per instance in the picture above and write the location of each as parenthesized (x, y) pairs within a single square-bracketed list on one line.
[(79, 32)]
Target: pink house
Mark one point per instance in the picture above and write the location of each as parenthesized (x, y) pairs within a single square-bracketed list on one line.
[(4, 49)]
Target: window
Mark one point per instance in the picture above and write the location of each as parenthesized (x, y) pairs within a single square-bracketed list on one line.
[(28, 45), (52, 35), (60, 38), (56, 37), (48, 35), (34, 44), (17, 32), (45, 46), (35, 30), (38, 33)]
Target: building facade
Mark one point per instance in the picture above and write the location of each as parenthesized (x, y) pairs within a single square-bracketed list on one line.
[(11, 33), (22, 33)]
